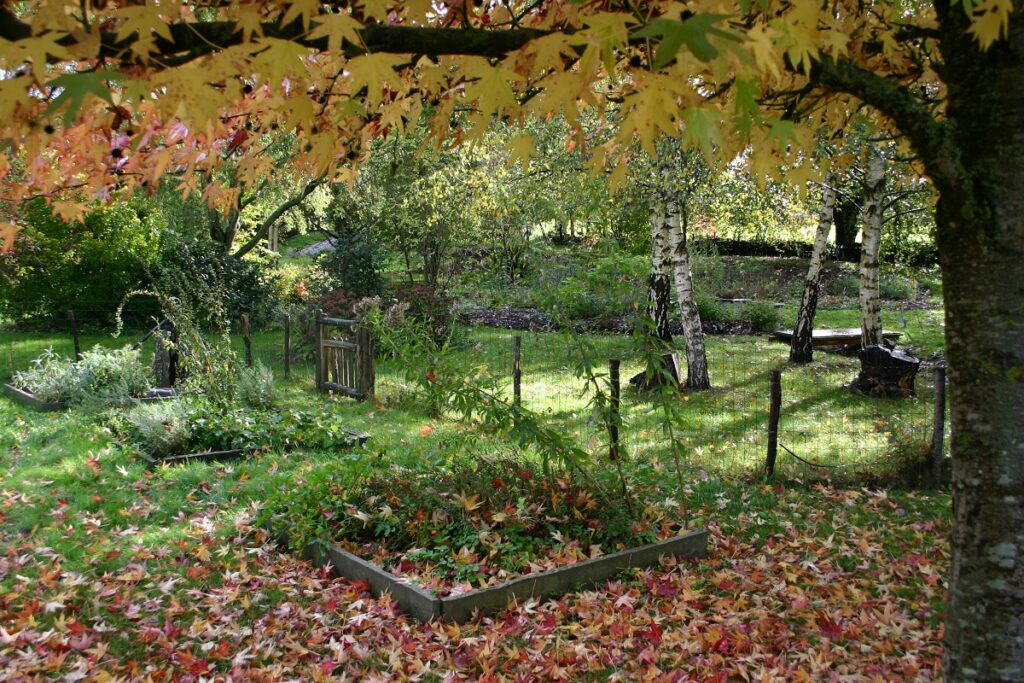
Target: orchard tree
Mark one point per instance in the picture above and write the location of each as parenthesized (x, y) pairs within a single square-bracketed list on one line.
[(97, 99)]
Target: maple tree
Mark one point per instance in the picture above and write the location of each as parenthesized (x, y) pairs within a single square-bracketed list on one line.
[(102, 99)]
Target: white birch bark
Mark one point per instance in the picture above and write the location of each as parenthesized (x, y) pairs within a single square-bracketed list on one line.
[(801, 349), (870, 315), (696, 355), (659, 283)]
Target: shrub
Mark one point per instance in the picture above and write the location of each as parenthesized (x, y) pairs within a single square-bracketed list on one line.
[(430, 307), (608, 286), (892, 286), (762, 315), (163, 428), (843, 285), (103, 376), (256, 386), (352, 264), (84, 266), (710, 308), (213, 285)]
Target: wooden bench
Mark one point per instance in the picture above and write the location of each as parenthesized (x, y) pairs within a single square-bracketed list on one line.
[(845, 336)]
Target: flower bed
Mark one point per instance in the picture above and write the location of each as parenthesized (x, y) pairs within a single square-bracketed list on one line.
[(497, 528)]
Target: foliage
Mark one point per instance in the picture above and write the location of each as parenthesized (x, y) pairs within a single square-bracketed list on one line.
[(710, 308), (763, 316), (256, 386), (431, 308), (612, 284), (213, 286), (896, 286), (475, 523), (85, 266), (165, 427), (192, 426), (101, 377), (352, 264)]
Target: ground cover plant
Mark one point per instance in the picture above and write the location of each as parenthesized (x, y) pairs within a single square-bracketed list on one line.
[(100, 377), (470, 524)]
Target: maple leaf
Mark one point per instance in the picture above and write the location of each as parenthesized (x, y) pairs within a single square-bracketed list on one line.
[(373, 71), (468, 503), (72, 90)]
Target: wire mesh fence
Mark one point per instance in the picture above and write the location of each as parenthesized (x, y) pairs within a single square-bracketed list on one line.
[(823, 426)]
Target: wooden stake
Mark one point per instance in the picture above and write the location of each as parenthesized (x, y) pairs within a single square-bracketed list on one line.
[(74, 335), (287, 345), (615, 417), (247, 338), (774, 412), (517, 369), (938, 425)]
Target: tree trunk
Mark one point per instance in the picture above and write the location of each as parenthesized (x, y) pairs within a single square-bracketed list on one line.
[(697, 378), (659, 282), (802, 348), (980, 227), (845, 216), (870, 316)]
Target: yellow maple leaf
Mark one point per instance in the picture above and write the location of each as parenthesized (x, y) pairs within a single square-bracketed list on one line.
[(468, 503), (991, 21), (8, 231), (337, 28), (372, 72), (523, 147)]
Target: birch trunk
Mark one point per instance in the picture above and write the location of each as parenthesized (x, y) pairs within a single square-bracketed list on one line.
[(659, 283), (801, 349), (870, 316), (697, 378)]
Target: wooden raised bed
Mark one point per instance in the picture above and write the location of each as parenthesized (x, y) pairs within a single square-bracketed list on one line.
[(358, 439), (425, 605), (29, 399)]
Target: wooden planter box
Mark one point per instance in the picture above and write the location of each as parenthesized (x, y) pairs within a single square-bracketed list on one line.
[(358, 438), (27, 398), (425, 605)]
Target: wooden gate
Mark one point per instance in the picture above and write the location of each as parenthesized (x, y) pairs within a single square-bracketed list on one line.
[(344, 358)]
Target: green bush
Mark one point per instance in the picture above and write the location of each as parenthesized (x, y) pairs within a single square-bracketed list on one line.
[(710, 308), (103, 376), (164, 427), (87, 266), (353, 264), (611, 285), (844, 285), (893, 286), (256, 386), (762, 315)]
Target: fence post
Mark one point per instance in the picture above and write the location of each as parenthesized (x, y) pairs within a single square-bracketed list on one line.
[(287, 345), (938, 425), (614, 417), (74, 335), (247, 339), (774, 411), (365, 362), (318, 353), (517, 369)]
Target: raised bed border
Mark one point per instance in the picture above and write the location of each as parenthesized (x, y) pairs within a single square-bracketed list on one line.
[(425, 605), (358, 439), (29, 399)]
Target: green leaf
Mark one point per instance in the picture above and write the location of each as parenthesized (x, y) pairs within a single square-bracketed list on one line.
[(75, 87), (693, 33)]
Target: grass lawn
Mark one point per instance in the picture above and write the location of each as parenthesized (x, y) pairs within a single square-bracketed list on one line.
[(111, 569)]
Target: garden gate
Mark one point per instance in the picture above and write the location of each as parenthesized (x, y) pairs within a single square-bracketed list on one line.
[(344, 361)]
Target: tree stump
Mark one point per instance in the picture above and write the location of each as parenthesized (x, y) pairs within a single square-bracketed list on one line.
[(671, 368), (885, 372)]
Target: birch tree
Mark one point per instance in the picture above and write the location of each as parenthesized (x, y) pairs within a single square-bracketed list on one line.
[(801, 348), (659, 282), (871, 231)]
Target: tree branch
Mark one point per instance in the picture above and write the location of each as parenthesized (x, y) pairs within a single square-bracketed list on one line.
[(191, 40), (931, 138), (264, 229)]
